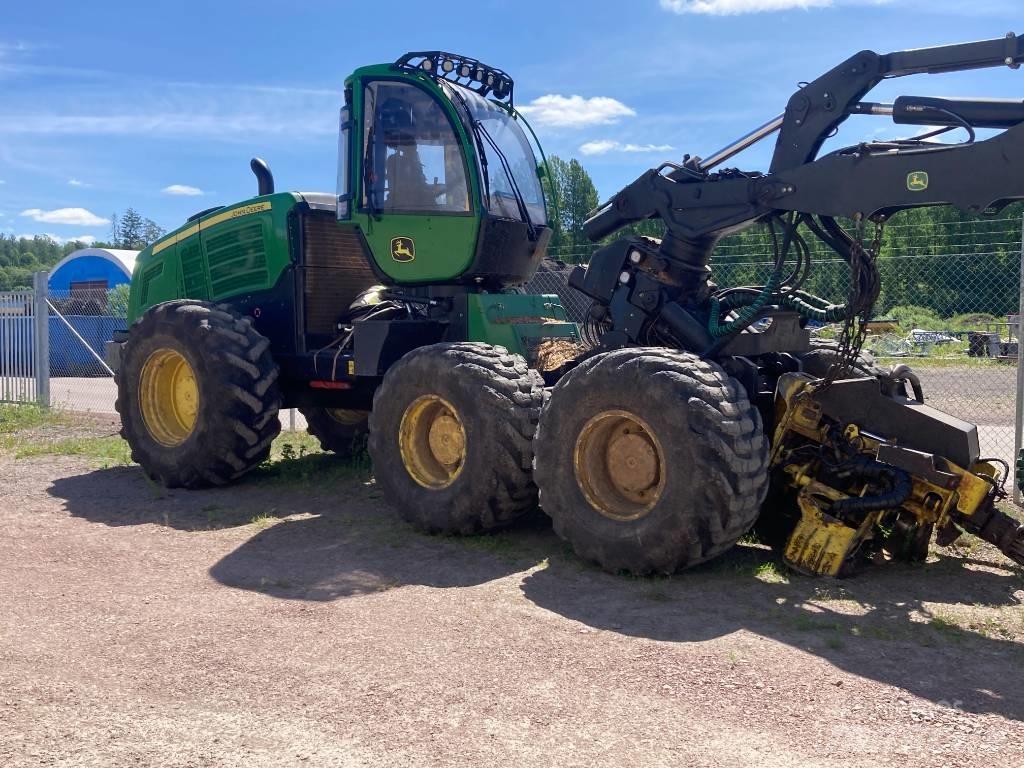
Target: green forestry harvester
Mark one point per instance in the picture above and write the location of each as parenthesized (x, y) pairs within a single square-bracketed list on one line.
[(392, 315)]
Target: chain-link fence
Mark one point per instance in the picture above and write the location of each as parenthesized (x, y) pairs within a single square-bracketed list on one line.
[(949, 307), (80, 323)]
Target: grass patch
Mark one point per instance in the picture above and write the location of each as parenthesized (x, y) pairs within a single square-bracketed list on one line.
[(947, 626), (811, 624), (22, 416), (771, 572), (262, 521), (296, 458), (112, 451), (506, 545)]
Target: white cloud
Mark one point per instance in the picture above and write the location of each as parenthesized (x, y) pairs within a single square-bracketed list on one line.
[(557, 111), (604, 146), (78, 183), (182, 189), (733, 7), (83, 239), (76, 217)]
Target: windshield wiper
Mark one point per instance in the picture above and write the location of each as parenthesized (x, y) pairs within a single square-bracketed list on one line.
[(479, 145), (520, 200), (371, 193)]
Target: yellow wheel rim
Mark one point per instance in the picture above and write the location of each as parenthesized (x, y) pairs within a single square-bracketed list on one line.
[(346, 417), (619, 465), (432, 442), (169, 397)]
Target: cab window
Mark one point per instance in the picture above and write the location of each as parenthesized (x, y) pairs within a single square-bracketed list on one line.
[(412, 155)]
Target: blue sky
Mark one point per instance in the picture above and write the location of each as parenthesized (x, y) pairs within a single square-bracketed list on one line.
[(159, 105)]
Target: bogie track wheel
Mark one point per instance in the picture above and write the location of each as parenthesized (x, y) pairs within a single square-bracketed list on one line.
[(650, 460), (451, 436), (197, 393), (339, 430)]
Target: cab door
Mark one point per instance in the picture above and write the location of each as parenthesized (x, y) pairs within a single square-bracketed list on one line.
[(416, 192)]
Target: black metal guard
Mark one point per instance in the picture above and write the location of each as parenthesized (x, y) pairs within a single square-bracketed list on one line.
[(463, 70)]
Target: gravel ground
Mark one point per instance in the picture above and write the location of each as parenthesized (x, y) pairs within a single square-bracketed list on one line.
[(293, 620)]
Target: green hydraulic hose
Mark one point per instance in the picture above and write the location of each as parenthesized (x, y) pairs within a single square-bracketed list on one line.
[(745, 316), (799, 301)]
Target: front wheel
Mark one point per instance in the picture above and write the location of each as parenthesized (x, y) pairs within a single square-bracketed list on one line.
[(197, 393), (451, 434), (650, 460)]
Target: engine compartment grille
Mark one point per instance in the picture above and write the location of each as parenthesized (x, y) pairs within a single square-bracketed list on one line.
[(336, 269)]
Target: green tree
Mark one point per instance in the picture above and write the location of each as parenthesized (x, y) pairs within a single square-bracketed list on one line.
[(577, 197), (151, 231), (131, 230)]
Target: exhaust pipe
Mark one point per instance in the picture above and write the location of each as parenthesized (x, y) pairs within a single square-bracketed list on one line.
[(264, 178)]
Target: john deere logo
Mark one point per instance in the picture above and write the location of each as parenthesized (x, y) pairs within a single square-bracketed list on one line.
[(403, 249), (917, 181)]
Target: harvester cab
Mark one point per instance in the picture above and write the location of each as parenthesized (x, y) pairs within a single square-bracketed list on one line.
[(435, 168)]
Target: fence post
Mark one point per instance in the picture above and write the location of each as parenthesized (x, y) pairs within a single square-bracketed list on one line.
[(41, 339), (1018, 425)]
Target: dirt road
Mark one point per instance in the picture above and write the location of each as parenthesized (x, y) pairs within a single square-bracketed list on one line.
[(293, 620)]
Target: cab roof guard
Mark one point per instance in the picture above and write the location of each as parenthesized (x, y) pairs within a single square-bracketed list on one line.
[(463, 70)]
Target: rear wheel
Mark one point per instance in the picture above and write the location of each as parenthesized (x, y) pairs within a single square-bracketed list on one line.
[(197, 393), (824, 353), (338, 430), (650, 460), (451, 436)]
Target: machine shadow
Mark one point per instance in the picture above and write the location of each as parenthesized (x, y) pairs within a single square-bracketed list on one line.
[(125, 496), (335, 556), (886, 636), (325, 532)]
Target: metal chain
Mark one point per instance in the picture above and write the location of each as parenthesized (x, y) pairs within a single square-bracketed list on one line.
[(860, 302)]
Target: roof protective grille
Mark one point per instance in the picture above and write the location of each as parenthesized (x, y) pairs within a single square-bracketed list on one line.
[(463, 70)]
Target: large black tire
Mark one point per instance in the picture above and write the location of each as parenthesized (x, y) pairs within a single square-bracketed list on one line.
[(235, 419), (338, 430), (497, 398), (825, 352), (711, 457)]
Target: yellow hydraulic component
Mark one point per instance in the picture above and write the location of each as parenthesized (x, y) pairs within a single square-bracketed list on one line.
[(942, 495), (820, 544), (168, 397), (619, 465), (432, 442)]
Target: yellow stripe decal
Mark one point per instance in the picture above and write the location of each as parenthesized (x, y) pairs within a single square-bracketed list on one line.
[(245, 210), (157, 247)]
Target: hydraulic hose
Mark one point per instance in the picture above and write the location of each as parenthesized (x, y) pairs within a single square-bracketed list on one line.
[(799, 301), (746, 314), (900, 487), (904, 372)]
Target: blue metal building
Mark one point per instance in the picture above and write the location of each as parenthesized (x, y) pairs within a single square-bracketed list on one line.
[(90, 270), (79, 287)]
